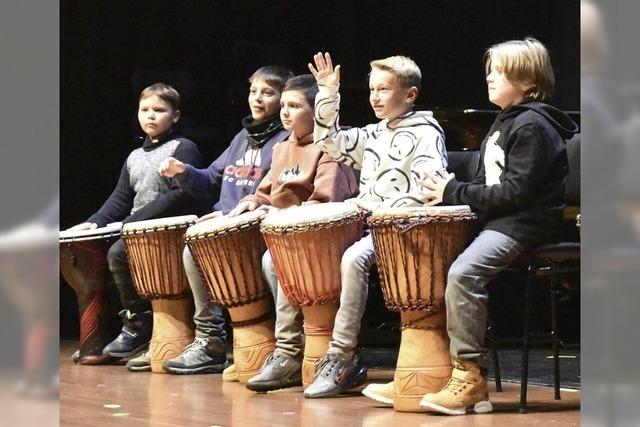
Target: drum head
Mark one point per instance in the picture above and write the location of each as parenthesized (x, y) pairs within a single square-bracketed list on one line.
[(423, 211), (159, 224), (110, 230), (309, 215), (224, 224)]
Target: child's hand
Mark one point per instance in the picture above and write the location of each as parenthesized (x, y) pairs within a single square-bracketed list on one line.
[(324, 72), (170, 167), (434, 186), (243, 207), (214, 214), (83, 226)]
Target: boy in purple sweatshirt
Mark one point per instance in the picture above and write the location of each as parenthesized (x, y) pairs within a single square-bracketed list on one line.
[(232, 176)]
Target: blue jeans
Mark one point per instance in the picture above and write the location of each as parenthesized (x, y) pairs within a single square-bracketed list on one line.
[(466, 293)]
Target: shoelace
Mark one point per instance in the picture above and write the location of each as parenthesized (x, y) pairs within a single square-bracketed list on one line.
[(198, 343), (327, 364), (456, 385)]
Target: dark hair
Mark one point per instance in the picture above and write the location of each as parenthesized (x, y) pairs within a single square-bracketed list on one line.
[(274, 75), (306, 84), (163, 91)]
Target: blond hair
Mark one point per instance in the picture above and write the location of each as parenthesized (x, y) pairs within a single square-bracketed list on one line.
[(525, 62), (163, 91), (403, 67)]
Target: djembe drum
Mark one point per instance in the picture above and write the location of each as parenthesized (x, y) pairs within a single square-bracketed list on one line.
[(228, 252), (83, 263), (154, 249), (414, 249), (306, 244)]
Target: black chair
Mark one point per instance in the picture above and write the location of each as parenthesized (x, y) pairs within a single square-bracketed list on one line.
[(552, 261)]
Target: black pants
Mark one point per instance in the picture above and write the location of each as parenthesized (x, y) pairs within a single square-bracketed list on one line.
[(119, 267)]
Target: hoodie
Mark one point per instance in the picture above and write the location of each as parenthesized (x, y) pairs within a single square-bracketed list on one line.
[(302, 173), (237, 172), (392, 155), (520, 186)]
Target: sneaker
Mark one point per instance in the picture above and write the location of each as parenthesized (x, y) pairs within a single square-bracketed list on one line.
[(75, 356), (202, 356), (230, 374), (466, 392), (335, 374), (141, 363), (382, 393), (278, 371), (134, 337)]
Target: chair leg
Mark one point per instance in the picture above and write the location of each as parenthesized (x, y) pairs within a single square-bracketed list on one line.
[(555, 337), (494, 356), (525, 341)]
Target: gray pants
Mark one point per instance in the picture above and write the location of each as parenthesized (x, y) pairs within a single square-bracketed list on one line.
[(354, 273), (208, 316), (289, 330), (466, 293)]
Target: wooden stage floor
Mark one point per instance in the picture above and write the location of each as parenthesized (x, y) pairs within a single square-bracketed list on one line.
[(110, 395)]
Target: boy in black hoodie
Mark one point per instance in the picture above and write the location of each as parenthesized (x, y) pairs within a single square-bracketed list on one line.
[(518, 194)]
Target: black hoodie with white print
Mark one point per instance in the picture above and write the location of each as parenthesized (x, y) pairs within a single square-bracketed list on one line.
[(519, 188)]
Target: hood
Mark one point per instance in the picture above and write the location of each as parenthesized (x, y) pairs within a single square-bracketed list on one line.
[(412, 119), (561, 122)]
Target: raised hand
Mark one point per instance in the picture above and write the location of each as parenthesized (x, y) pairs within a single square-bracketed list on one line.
[(170, 167), (324, 72)]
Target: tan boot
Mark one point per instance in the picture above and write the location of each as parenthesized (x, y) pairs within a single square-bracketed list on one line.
[(465, 392), (230, 374), (382, 393)]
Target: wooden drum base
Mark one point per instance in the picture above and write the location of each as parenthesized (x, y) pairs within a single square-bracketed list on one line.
[(318, 328), (424, 363), (172, 330)]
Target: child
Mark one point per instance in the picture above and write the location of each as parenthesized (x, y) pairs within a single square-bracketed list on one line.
[(141, 195), (301, 174), (392, 155), (232, 176), (518, 193)]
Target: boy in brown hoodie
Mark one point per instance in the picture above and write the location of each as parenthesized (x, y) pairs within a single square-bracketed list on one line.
[(300, 174)]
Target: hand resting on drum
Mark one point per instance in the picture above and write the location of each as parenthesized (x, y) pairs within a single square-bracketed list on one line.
[(83, 226), (434, 185), (171, 167), (365, 205), (214, 214), (243, 207)]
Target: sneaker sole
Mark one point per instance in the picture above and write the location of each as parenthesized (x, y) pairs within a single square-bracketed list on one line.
[(483, 407), (214, 369), (266, 386), (358, 380), (127, 354), (377, 397), (139, 368)]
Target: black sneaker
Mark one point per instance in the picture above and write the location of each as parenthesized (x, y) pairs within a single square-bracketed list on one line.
[(134, 337), (141, 363), (278, 371), (335, 374), (202, 356)]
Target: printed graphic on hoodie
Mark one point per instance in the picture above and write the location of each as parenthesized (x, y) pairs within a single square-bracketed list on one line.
[(288, 174), (494, 160), (247, 170)]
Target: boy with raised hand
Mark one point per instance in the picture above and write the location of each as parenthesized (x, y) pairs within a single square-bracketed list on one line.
[(392, 155)]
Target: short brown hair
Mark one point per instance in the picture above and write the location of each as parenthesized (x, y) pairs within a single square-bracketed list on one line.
[(526, 62), (404, 68), (163, 91), (275, 76), (306, 84)]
